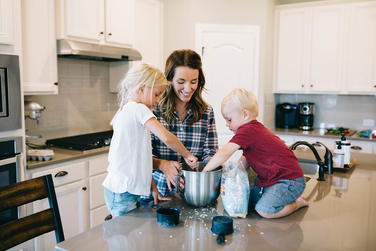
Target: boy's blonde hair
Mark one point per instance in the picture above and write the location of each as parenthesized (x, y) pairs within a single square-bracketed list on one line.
[(242, 98), (141, 75)]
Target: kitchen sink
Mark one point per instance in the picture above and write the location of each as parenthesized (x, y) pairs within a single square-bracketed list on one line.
[(309, 167)]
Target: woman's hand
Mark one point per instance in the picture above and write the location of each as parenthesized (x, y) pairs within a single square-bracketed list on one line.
[(170, 169)]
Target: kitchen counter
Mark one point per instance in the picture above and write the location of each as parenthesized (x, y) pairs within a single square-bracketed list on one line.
[(341, 216), (317, 133), (62, 155)]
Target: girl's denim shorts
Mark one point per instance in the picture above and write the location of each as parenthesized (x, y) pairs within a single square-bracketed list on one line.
[(120, 203), (273, 199)]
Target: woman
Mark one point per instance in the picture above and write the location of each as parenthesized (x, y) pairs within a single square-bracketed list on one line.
[(183, 112)]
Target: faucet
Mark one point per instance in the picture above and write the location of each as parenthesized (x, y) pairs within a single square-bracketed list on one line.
[(327, 166)]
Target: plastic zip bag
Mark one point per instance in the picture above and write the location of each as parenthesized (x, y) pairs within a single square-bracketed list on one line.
[(235, 189)]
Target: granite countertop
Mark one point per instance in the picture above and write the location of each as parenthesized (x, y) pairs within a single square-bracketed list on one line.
[(341, 216), (62, 155), (316, 133)]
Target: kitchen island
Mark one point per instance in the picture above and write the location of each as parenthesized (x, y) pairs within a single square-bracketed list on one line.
[(341, 216)]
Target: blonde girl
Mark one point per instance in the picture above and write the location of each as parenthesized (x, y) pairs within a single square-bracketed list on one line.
[(130, 157)]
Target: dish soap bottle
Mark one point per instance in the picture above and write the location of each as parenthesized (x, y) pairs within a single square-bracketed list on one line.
[(339, 157), (346, 146)]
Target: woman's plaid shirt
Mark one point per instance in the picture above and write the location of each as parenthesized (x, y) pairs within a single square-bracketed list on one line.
[(200, 139)]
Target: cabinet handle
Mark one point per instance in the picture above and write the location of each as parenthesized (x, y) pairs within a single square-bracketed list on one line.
[(311, 85), (302, 85), (84, 188), (356, 148), (110, 34), (61, 174), (374, 86), (101, 33), (56, 83), (108, 217)]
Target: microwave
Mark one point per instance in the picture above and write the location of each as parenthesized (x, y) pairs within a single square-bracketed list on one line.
[(10, 93)]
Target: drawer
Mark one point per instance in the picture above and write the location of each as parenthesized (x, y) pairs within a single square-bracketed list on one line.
[(98, 164), (98, 215), (288, 140), (329, 143), (366, 147), (96, 191), (68, 173)]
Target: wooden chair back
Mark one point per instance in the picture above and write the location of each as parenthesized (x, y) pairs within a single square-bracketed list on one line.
[(29, 227)]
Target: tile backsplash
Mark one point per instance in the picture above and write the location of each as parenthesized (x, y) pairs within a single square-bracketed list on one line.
[(83, 105), (336, 110)]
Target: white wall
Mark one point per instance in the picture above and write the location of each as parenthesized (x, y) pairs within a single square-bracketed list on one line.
[(180, 17)]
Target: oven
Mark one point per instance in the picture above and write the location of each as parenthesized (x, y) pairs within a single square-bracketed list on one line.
[(10, 170), (10, 93)]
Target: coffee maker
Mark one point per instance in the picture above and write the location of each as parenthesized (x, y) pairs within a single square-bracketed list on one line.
[(306, 111)]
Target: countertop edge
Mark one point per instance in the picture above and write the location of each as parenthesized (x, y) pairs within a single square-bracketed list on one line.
[(64, 155), (316, 133)]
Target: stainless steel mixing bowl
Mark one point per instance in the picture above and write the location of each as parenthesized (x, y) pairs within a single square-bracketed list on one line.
[(200, 188)]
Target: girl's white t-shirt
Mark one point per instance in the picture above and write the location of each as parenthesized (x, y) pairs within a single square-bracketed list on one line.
[(130, 156)]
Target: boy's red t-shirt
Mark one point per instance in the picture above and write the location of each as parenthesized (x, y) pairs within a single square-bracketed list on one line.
[(268, 156)]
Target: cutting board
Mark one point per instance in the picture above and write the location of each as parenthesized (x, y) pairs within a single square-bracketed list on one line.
[(352, 132)]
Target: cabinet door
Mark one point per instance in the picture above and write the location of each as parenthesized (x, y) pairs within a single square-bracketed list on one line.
[(6, 22), (291, 52), (84, 19), (149, 17), (327, 49), (98, 215), (71, 200), (96, 191), (361, 58), (39, 47), (120, 22)]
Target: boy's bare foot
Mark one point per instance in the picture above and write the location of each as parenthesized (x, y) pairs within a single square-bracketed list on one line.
[(301, 202)]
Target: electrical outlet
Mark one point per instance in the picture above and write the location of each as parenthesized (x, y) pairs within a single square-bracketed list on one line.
[(368, 122)]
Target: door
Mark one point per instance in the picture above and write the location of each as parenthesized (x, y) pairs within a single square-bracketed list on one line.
[(71, 199), (361, 49), (6, 22), (291, 38), (230, 56), (85, 19), (120, 22)]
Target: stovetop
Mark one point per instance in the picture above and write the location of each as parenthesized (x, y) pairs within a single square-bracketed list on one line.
[(83, 142)]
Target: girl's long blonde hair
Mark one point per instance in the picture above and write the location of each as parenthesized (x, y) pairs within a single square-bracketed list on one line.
[(141, 75)]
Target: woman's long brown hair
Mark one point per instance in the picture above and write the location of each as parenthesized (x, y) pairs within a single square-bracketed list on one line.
[(192, 60)]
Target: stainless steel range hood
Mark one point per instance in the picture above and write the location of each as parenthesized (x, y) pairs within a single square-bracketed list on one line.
[(80, 50)]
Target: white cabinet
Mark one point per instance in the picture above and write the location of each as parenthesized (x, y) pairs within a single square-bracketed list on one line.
[(149, 31), (148, 39), (326, 54), (6, 22), (39, 57), (361, 49), (109, 22), (325, 49), (71, 189), (360, 146), (97, 173), (291, 48)]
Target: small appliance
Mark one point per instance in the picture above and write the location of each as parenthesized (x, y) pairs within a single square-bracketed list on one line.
[(10, 93), (306, 114), (286, 116)]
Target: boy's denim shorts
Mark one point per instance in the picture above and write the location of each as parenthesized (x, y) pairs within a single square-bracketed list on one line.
[(120, 203), (273, 199)]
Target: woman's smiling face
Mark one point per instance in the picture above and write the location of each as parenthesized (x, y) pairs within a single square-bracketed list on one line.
[(185, 82)]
